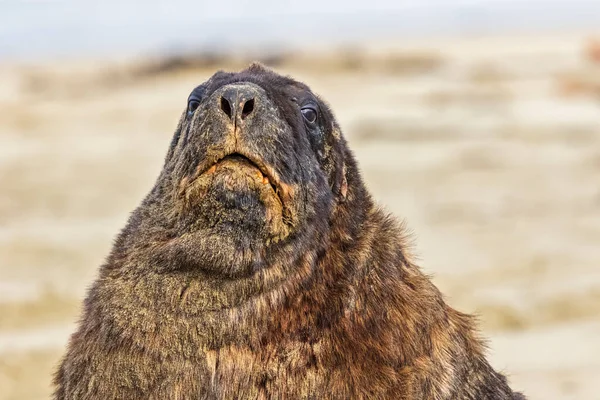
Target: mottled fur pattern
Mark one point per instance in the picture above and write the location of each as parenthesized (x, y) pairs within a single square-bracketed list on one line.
[(219, 288)]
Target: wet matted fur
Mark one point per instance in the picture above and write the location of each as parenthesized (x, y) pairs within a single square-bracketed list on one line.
[(259, 267)]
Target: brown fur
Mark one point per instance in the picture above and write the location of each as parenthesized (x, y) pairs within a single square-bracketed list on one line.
[(318, 300)]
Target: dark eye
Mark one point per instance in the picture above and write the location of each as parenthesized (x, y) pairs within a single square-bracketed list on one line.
[(309, 114), (193, 105)]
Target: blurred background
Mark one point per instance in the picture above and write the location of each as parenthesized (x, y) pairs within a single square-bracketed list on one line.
[(476, 121)]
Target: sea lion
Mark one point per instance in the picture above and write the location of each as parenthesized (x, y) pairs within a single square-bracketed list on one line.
[(259, 267)]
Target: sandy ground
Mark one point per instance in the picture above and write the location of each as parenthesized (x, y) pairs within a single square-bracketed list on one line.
[(490, 149)]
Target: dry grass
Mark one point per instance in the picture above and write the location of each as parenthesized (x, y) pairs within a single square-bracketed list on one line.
[(49, 309), (567, 308), (27, 376)]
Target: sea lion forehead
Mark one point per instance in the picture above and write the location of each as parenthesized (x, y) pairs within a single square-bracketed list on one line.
[(273, 83)]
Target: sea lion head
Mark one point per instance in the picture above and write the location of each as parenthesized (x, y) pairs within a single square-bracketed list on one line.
[(254, 171)]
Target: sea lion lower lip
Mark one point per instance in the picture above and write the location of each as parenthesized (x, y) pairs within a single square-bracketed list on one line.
[(237, 158), (263, 173)]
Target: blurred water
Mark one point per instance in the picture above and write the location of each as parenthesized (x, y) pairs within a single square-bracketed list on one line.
[(41, 29)]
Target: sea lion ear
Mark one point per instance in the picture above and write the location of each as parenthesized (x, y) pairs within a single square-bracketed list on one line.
[(340, 184), (343, 192)]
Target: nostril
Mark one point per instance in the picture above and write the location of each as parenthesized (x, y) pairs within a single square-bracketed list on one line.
[(248, 108), (226, 107)]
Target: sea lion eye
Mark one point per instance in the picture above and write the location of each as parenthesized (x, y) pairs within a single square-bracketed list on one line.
[(309, 114), (193, 104)]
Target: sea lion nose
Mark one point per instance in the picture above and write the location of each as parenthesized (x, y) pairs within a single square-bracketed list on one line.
[(237, 101)]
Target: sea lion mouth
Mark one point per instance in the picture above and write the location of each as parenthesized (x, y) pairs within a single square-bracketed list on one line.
[(264, 174), (250, 164)]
